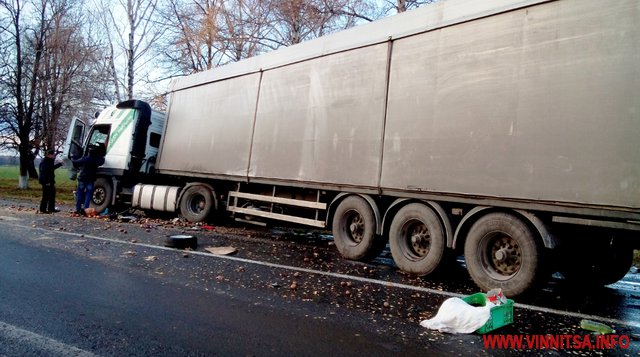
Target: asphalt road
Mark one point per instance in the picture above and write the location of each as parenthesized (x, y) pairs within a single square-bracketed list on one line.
[(72, 286), (56, 303)]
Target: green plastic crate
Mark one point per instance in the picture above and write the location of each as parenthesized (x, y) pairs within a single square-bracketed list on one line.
[(501, 315)]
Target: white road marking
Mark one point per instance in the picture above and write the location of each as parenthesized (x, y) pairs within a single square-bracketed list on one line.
[(346, 277), (630, 283), (44, 345)]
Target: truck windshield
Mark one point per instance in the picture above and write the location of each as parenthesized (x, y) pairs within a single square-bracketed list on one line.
[(99, 135)]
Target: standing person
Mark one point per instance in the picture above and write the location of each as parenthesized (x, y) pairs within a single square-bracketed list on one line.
[(47, 179), (88, 167)]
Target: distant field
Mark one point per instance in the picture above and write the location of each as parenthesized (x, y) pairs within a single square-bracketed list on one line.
[(9, 185)]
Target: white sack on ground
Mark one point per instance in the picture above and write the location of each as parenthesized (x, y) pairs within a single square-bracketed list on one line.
[(456, 316)]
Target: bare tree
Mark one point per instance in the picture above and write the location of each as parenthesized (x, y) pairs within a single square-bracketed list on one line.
[(70, 80), (203, 34), (294, 21), (353, 11), (404, 5), (131, 41), (193, 43), (207, 33), (245, 25), (299, 20), (20, 75), (47, 76), (104, 19)]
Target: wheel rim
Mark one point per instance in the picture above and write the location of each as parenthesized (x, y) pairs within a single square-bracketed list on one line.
[(99, 196), (416, 239), (501, 256), (197, 204), (354, 226)]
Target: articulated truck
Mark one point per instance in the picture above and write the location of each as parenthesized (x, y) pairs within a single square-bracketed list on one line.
[(505, 131)]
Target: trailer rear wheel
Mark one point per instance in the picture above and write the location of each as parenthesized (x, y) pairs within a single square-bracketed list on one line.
[(600, 263), (501, 251), (102, 193), (354, 230), (416, 238), (196, 203)]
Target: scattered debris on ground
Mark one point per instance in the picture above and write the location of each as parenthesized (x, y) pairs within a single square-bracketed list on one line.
[(221, 250)]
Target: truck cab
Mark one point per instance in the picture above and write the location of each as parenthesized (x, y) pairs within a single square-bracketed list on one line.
[(129, 134)]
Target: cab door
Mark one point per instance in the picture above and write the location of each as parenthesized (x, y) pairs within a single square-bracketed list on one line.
[(73, 148)]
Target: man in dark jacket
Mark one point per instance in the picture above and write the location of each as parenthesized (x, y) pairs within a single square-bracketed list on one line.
[(47, 179), (88, 167)]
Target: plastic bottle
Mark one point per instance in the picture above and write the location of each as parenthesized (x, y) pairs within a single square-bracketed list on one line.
[(596, 327)]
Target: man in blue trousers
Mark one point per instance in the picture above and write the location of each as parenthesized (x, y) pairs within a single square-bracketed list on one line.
[(88, 166)]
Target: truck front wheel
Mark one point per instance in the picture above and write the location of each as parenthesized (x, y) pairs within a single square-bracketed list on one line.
[(416, 238), (354, 230), (196, 203), (501, 251), (102, 193)]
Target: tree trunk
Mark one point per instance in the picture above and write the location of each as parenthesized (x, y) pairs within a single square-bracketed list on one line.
[(25, 153), (31, 167), (130, 65)]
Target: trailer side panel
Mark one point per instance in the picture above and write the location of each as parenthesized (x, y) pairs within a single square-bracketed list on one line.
[(535, 104), (209, 128), (321, 120)]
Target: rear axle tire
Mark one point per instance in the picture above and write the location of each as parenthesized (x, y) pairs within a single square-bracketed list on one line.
[(354, 230), (417, 239), (501, 251), (601, 262)]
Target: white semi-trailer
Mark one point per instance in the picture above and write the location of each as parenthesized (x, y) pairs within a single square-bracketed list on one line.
[(506, 130)]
